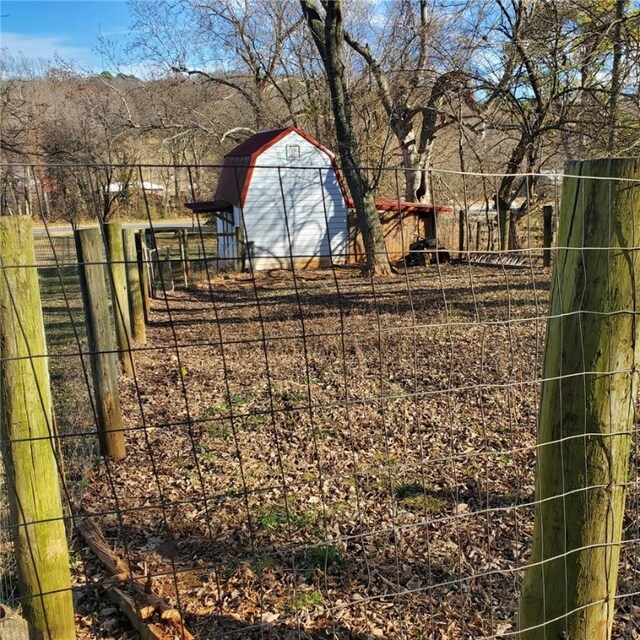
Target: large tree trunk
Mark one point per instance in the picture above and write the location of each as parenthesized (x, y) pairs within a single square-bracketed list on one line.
[(587, 408), (504, 197), (328, 34)]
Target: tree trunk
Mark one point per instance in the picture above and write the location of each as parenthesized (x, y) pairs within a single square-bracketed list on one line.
[(410, 161), (615, 75), (328, 35), (587, 407), (504, 197)]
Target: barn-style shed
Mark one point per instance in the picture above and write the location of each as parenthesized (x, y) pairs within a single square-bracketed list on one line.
[(285, 187)]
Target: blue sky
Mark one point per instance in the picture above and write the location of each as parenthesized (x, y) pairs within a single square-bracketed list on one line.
[(68, 28)]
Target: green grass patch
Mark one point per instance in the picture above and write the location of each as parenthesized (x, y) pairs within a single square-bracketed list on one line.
[(219, 431), (408, 490), (426, 504), (320, 432), (254, 421), (413, 497), (297, 397), (215, 410), (279, 520), (326, 557), (305, 600), (394, 392), (258, 565)]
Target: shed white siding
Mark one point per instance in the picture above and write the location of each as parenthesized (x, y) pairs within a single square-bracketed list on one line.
[(294, 207)]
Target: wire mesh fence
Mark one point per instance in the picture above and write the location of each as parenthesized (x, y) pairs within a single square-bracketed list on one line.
[(312, 452)]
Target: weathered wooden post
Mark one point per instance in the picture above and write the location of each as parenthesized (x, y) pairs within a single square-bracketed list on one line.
[(461, 226), (165, 270), (240, 248), (478, 230), (104, 364), (26, 429), (587, 406), (134, 287), (143, 270), (547, 240), (119, 294), (184, 255), (12, 625)]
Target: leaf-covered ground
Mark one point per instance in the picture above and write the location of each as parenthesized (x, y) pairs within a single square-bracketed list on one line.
[(331, 457)]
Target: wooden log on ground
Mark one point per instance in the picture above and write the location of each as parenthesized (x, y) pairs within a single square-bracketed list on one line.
[(26, 429), (138, 617), (134, 287), (147, 603), (587, 407), (104, 364), (119, 294)]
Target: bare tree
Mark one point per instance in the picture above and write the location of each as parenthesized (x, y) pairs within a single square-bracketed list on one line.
[(238, 45), (328, 35), (547, 89), (93, 130), (411, 93)]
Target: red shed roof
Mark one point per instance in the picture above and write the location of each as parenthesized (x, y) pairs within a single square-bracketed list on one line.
[(238, 164), (258, 142), (392, 204)]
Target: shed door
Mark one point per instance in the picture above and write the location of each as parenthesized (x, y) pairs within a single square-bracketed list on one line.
[(226, 236)]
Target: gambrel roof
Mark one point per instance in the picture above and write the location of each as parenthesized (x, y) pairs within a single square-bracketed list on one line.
[(238, 164)]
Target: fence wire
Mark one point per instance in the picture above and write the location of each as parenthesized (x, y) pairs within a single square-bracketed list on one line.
[(311, 452)]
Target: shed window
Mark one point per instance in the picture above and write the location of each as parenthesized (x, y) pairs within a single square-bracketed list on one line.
[(293, 151)]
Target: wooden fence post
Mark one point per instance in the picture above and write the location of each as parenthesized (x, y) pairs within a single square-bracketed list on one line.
[(547, 220), (104, 365), (240, 248), (119, 294), (461, 226), (478, 235), (134, 286), (26, 428), (146, 272), (184, 254), (587, 406)]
